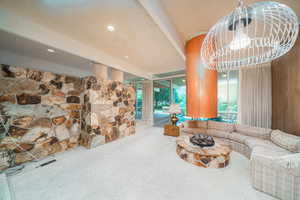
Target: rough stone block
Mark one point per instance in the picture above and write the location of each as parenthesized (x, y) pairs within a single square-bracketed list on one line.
[(7, 98), (57, 93), (69, 123), (52, 145), (75, 114), (9, 143), (6, 85), (52, 100), (24, 85), (18, 72), (6, 71), (42, 122), (73, 99), (114, 134), (48, 76), (22, 122), (34, 134), (56, 84), (24, 99), (16, 131), (75, 92), (38, 153), (23, 147), (43, 89), (35, 75), (92, 141), (62, 133), (59, 120), (7, 158)]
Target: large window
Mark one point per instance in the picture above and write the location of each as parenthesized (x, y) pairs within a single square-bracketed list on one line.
[(179, 93), (228, 95), (161, 101), (166, 92), (139, 100)]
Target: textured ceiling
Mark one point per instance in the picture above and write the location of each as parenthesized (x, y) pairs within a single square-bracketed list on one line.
[(192, 17)]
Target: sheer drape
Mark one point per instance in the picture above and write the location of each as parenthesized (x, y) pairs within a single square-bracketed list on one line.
[(147, 102), (255, 96)]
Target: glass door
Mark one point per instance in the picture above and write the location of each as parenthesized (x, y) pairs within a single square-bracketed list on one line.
[(179, 93), (161, 101), (139, 100)]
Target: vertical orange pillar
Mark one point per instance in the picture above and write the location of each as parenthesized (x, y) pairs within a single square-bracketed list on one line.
[(201, 90)]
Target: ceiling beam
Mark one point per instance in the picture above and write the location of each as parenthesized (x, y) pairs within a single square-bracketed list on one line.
[(157, 12), (12, 23)]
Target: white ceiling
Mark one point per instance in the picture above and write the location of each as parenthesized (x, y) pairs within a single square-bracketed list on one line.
[(150, 32), (192, 17), (136, 35), (25, 47), (22, 52)]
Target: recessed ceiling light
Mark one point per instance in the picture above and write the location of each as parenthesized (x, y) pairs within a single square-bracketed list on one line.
[(51, 50), (126, 57), (110, 28)]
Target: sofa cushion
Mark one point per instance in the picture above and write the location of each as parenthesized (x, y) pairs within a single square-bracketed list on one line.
[(186, 130), (238, 137), (191, 124), (267, 152), (263, 133), (217, 133), (281, 162), (199, 130), (290, 162), (193, 130), (267, 156), (222, 126), (286, 141), (254, 142), (202, 124)]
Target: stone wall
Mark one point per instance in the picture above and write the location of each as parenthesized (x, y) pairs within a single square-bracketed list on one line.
[(108, 112), (46, 113), (41, 111)]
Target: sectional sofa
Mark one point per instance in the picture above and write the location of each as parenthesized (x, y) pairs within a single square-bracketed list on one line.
[(274, 155)]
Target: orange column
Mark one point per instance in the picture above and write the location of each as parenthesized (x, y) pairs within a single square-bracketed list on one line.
[(201, 90)]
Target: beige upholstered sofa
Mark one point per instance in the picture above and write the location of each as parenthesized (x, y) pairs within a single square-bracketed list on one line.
[(274, 155)]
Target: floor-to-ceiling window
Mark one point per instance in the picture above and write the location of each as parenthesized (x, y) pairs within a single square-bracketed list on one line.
[(166, 92), (228, 86), (161, 101), (179, 93), (139, 100)]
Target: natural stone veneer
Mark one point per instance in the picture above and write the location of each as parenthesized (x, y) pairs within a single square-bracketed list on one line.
[(217, 156), (37, 113), (42, 113), (108, 112)]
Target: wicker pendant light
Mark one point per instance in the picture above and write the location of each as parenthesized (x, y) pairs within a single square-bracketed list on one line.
[(250, 35)]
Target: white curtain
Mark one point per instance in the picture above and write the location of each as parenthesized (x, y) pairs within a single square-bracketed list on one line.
[(147, 115), (255, 96)]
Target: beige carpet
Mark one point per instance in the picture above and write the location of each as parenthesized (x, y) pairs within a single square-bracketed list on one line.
[(140, 167)]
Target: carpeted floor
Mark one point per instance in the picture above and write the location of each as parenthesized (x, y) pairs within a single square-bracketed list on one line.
[(140, 167), (4, 189)]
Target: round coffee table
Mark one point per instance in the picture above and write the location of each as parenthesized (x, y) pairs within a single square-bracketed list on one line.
[(217, 156)]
